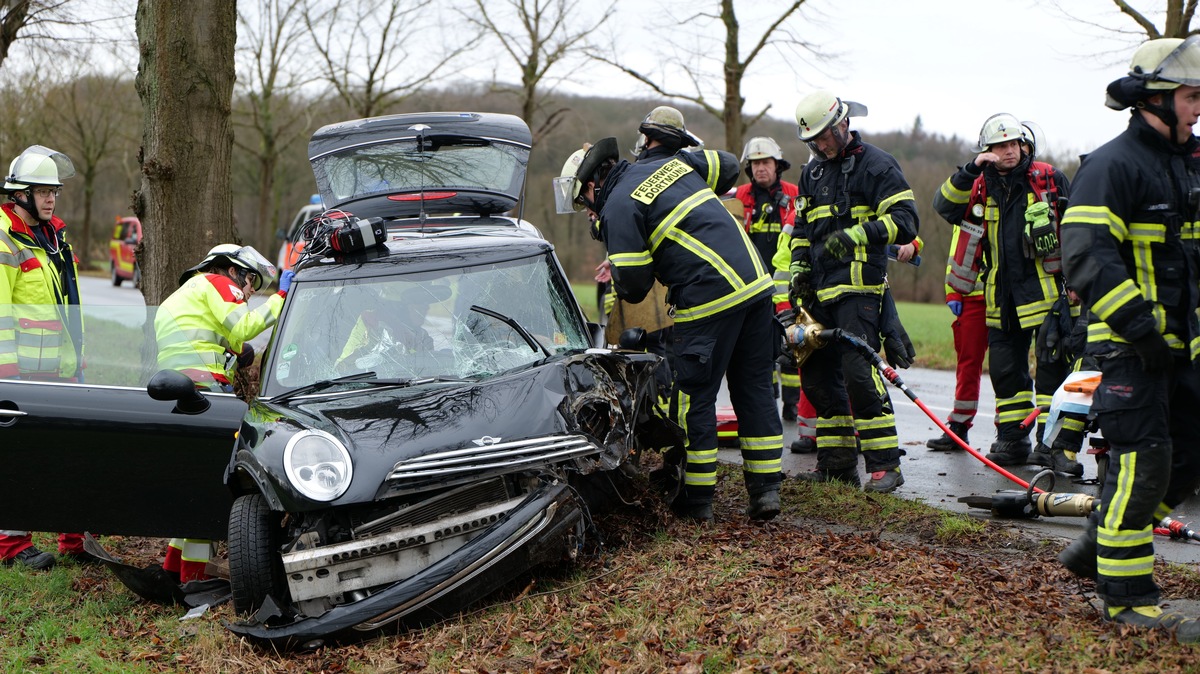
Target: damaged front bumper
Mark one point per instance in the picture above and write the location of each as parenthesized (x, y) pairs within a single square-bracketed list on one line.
[(520, 539)]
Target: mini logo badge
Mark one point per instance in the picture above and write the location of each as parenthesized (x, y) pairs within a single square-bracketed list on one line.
[(486, 441)]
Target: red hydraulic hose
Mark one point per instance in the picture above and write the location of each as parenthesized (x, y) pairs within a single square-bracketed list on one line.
[(893, 377)]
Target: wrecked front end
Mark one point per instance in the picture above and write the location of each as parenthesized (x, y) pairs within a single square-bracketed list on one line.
[(457, 489)]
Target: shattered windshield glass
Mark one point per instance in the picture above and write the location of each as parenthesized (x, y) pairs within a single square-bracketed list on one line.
[(422, 325)]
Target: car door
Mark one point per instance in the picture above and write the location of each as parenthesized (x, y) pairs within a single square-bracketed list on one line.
[(104, 457), (110, 460)]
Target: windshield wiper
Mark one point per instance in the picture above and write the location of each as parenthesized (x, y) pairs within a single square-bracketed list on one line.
[(322, 385), (363, 378), (520, 329)]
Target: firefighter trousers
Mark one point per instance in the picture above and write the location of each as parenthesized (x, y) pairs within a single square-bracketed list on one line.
[(851, 399), (1154, 464), (1015, 389), (738, 345), (970, 347)]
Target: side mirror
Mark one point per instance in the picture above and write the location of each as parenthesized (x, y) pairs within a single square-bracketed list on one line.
[(172, 385), (632, 339)]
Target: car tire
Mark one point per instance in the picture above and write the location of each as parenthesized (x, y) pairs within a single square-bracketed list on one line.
[(255, 567), (116, 279)]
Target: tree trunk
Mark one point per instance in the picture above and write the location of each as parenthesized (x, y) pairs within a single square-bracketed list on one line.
[(185, 80)]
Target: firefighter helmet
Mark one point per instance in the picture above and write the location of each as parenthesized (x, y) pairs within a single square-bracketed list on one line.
[(665, 124), (821, 110), (243, 257), (580, 168), (999, 128), (1157, 65), (1033, 136), (38, 165), (763, 147)]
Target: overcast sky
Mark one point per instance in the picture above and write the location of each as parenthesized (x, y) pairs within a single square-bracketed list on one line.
[(952, 62)]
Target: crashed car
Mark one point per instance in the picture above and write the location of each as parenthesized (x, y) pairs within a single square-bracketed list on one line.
[(432, 418)]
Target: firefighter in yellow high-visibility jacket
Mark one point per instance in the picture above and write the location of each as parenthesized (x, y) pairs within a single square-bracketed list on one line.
[(202, 330), (41, 329)]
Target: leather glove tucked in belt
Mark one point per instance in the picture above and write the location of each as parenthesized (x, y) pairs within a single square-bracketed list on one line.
[(897, 347), (842, 243), (1154, 352), (1040, 236)]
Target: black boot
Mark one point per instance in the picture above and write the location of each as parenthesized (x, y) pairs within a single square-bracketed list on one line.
[(764, 505), (32, 558), (804, 445), (845, 475), (1009, 452), (1080, 556), (946, 443)]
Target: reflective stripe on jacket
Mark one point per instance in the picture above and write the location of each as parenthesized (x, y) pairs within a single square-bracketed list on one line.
[(662, 219), (994, 245), (34, 314), (866, 187), (202, 320), (1131, 241)]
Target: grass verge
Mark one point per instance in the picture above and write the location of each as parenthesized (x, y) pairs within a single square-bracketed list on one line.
[(842, 581)]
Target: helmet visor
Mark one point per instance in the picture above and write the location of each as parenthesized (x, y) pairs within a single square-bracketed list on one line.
[(566, 195), (1182, 65), (251, 260)]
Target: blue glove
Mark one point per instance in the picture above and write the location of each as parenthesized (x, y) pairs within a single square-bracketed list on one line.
[(955, 307), (285, 280)]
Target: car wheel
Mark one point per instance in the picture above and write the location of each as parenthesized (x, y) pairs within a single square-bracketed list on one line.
[(115, 278), (255, 567)]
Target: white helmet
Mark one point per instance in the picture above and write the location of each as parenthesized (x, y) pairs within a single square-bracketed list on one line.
[(1033, 136), (763, 147), (579, 168), (244, 257), (1000, 128), (820, 110), (38, 165)]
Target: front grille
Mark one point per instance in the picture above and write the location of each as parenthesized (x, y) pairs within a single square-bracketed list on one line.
[(452, 502), (504, 456)]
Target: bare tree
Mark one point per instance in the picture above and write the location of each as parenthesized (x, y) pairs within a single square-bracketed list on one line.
[(1113, 27), (185, 81), (272, 66), (1177, 19), (90, 113), (694, 58), (375, 53), (537, 36)]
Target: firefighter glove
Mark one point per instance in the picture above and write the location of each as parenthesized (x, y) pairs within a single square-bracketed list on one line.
[(843, 242), (246, 357), (800, 291), (285, 280), (1039, 230), (955, 307), (1154, 352), (897, 347)]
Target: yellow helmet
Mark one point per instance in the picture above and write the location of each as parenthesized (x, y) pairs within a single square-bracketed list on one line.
[(1158, 65)]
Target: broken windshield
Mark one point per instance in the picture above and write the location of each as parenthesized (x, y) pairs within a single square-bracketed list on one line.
[(422, 325)]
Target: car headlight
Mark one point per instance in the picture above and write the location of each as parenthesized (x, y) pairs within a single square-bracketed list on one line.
[(317, 465)]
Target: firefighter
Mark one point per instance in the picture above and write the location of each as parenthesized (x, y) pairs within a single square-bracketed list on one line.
[(1130, 248), (41, 328), (203, 330), (857, 203), (768, 206), (1006, 207), (660, 218)]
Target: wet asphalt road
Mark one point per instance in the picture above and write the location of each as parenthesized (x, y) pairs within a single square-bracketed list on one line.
[(941, 478)]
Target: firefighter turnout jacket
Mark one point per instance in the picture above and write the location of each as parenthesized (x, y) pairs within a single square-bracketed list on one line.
[(993, 243), (41, 329), (207, 317), (663, 219), (863, 186), (1133, 255), (766, 212)]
